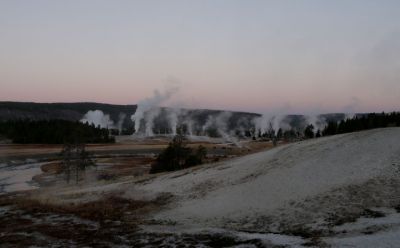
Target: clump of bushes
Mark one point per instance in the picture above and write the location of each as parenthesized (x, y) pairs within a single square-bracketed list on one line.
[(178, 156)]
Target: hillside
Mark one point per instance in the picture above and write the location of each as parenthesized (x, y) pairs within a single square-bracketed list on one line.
[(76, 111), (65, 111), (198, 119), (323, 187), (336, 191)]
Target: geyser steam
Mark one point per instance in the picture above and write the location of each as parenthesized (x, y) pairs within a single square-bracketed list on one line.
[(98, 118), (150, 117), (151, 105)]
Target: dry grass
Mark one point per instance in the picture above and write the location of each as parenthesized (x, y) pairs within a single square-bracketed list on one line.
[(34, 222), (108, 208), (53, 167)]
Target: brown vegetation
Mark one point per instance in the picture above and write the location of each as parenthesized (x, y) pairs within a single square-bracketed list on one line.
[(104, 222), (52, 168)]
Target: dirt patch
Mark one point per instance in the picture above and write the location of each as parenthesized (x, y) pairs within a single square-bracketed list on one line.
[(102, 223), (124, 166), (109, 222), (52, 168), (200, 190), (109, 208)]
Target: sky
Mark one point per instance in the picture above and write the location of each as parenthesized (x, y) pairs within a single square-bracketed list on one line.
[(259, 56)]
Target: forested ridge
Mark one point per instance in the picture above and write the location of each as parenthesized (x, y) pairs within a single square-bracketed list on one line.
[(364, 122), (53, 132)]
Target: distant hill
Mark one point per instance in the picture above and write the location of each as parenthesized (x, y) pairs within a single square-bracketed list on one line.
[(76, 111), (63, 111)]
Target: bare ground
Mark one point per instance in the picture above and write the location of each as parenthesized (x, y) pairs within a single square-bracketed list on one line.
[(328, 192), (98, 211)]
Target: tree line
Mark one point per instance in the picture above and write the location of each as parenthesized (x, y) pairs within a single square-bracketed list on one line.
[(53, 132), (363, 122), (358, 123)]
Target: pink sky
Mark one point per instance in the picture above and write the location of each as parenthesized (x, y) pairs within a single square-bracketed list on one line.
[(236, 55)]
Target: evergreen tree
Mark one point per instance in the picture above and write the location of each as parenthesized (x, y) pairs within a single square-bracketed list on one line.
[(178, 156), (75, 159), (309, 132)]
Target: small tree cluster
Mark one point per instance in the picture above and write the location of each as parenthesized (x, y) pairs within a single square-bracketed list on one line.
[(178, 156), (75, 161), (309, 132)]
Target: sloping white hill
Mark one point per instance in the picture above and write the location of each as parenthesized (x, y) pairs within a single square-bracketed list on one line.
[(314, 184)]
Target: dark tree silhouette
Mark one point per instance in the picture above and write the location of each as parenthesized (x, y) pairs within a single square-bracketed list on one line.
[(53, 132), (309, 132), (178, 156), (318, 134), (75, 159), (363, 122)]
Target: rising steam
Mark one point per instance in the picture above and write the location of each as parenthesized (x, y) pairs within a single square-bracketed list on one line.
[(148, 108), (98, 118), (152, 119)]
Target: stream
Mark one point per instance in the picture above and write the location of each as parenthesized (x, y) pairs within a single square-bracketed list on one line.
[(18, 177)]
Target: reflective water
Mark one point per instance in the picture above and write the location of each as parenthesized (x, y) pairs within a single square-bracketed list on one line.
[(18, 177)]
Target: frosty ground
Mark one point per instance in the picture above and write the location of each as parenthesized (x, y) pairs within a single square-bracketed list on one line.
[(337, 191)]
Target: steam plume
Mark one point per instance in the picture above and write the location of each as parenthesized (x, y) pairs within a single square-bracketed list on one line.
[(98, 118), (151, 103)]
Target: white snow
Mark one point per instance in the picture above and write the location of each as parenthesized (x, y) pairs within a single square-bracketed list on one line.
[(369, 232), (266, 238), (390, 238), (301, 182), (260, 183)]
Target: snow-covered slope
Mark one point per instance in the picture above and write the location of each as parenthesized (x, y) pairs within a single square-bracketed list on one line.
[(311, 183)]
